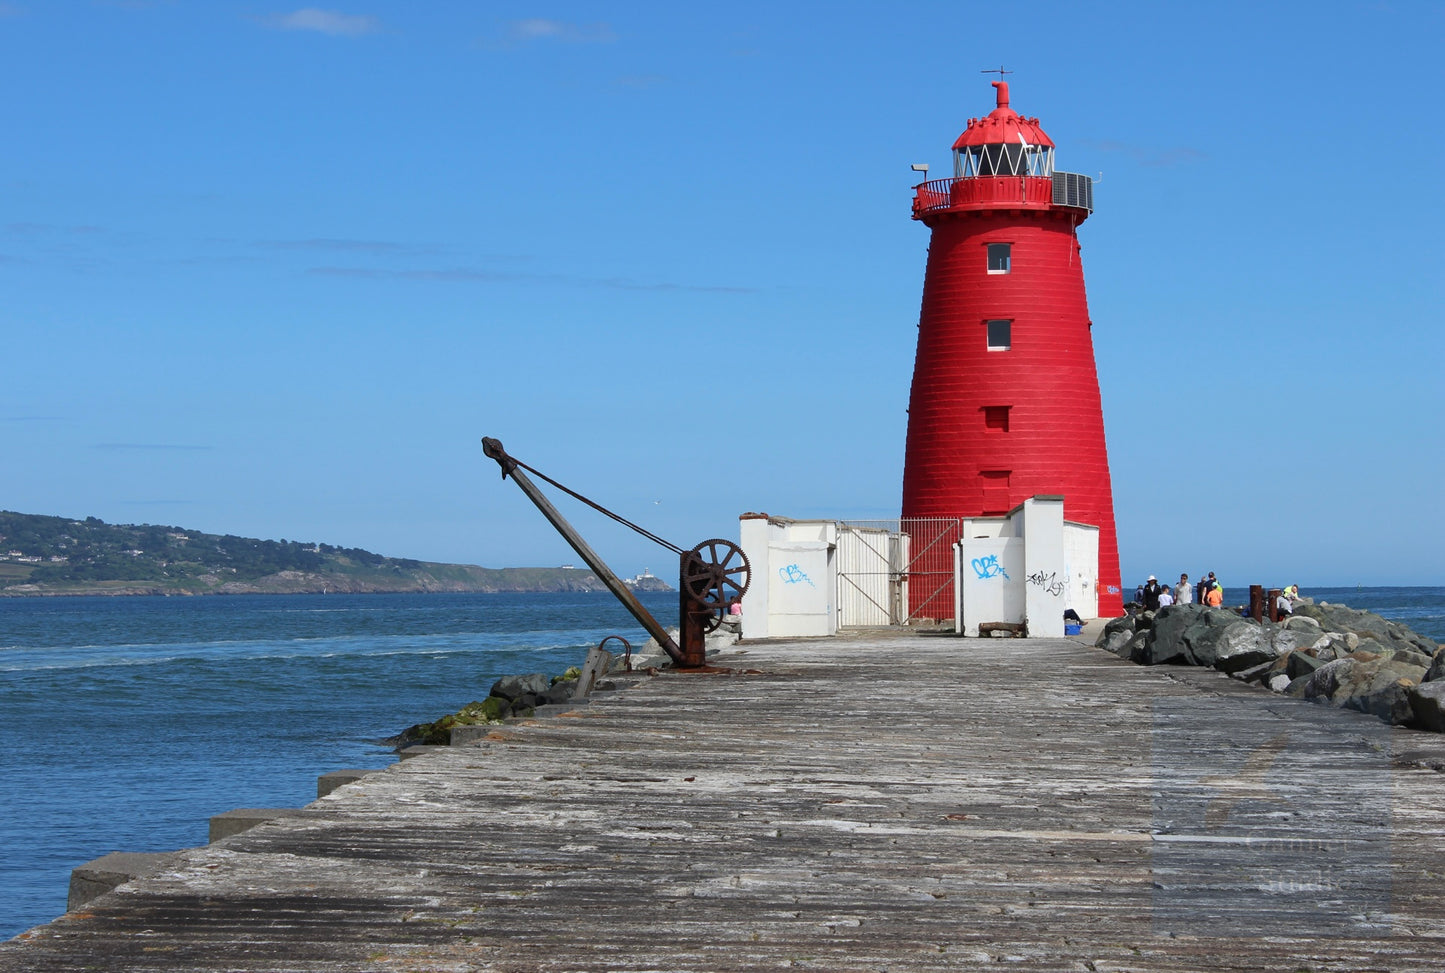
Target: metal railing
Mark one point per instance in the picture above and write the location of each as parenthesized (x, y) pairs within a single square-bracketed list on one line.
[(922, 585), (1069, 189)]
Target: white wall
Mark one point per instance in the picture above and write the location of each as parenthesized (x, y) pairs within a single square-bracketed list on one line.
[(1081, 559), (988, 581), (1027, 566), (1046, 576), (794, 577)]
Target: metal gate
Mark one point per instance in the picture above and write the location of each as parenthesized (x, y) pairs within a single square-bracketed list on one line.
[(893, 572)]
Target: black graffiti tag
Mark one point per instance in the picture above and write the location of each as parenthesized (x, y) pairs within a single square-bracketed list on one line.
[(1049, 582)]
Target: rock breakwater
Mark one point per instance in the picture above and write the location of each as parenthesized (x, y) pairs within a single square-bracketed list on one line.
[(1327, 653)]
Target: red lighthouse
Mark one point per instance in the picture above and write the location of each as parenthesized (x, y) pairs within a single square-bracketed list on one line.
[(1005, 402)]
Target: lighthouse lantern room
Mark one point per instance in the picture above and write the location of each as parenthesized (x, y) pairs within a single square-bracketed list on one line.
[(1005, 402)]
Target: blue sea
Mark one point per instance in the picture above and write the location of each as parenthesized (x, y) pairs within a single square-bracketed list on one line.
[(125, 723)]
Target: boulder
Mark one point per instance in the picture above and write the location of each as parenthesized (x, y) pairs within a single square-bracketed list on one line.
[(1279, 682), (1413, 657), (1117, 641), (1171, 624), (559, 692), (1437, 667), (1113, 629), (1137, 649), (514, 687), (1367, 626), (1427, 706), (1302, 623), (1325, 681), (1260, 673), (1390, 702), (1354, 682), (1286, 640), (1303, 663), (1232, 645)]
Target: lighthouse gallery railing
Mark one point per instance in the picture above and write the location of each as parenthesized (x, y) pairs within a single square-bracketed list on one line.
[(1071, 189)]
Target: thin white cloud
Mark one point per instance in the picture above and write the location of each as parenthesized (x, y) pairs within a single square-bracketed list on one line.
[(332, 22), (543, 29)]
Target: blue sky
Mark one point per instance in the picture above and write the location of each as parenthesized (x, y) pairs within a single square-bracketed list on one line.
[(274, 271)]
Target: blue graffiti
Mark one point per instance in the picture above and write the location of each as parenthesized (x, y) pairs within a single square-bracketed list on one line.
[(1113, 589), (792, 574), (988, 567)]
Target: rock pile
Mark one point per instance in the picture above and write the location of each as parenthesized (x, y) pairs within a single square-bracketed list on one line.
[(510, 696), (1327, 653), (519, 696)]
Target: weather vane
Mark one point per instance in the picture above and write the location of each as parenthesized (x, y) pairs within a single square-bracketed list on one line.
[(998, 71)]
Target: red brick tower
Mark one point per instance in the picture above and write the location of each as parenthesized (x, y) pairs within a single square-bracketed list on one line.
[(1005, 402)]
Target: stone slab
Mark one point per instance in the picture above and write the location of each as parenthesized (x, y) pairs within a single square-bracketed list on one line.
[(244, 819), (326, 783), (101, 875)]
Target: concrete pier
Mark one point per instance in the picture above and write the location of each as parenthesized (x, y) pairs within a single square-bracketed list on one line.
[(882, 801)]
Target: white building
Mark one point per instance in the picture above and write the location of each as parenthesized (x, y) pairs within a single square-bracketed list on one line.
[(812, 577)]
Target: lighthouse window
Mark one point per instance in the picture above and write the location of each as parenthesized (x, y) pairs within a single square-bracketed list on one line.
[(1000, 335), (996, 417), (999, 255)]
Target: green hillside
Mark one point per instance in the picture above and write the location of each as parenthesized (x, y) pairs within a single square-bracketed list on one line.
[(42, 555)]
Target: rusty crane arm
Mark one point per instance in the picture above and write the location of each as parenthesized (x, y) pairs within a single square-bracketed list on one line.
[(511, 467)]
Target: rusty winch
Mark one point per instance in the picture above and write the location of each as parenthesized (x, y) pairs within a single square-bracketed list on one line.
[(712, 575)]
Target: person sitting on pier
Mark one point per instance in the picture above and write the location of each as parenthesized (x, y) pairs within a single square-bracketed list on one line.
[(1283, 606)]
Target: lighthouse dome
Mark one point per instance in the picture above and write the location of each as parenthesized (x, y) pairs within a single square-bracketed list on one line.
[(1004, 143)]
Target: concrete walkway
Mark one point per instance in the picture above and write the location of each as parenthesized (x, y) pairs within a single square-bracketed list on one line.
[(882, 801)]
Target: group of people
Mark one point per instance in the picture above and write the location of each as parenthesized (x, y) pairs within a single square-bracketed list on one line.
[(1154, 596)]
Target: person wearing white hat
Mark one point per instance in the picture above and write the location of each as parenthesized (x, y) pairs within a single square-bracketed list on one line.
[(1151, 594)]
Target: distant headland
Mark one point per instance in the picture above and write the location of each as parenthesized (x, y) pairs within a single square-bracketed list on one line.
[(42, 555)]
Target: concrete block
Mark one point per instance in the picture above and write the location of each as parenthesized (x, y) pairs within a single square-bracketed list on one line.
[(246, 818), (95, 878), (465, 736), (327, 783), (552, 709), (417, 750)]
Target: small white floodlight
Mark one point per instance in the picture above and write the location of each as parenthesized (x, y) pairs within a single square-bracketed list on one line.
[(920, 167)]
